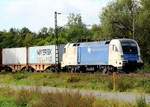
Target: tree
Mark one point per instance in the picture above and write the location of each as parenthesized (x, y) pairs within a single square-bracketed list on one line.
[(28, 40), (43, 32), (76, 30), (24, 31), (143, 32), (96, 32), (117, 19)]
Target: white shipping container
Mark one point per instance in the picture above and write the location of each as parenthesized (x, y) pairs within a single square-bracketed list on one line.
[(44, 54), (41, 54), (14, 56)]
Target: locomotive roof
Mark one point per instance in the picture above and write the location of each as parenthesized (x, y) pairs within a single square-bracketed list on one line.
[(96, 42)]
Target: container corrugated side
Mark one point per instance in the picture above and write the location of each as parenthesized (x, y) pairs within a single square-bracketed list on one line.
[(94, 53), (14, 56), (41, 54)]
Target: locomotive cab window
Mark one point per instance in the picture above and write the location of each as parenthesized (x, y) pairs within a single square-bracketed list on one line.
[(129, 47)]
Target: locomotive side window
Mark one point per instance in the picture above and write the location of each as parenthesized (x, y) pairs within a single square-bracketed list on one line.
[(64, 50), (114, 48)]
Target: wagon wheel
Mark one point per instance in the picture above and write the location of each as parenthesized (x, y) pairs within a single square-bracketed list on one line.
[(50, 69)]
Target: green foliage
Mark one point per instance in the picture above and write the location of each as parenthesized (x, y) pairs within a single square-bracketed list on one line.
[(141, 102), (76, 29), (124, 84), (145, 69), (19, 76), (7, 103), (117, 19), (117, 22)]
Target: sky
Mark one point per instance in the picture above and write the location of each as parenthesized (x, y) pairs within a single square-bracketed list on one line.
[(35, 14)]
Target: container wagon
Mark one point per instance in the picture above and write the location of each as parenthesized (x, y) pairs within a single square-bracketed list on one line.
[(38, 58), (117, 54)]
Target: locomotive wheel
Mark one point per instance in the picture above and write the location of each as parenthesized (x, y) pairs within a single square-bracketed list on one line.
[(105, 70)]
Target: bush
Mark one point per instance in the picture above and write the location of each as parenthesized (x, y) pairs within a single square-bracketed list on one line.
[(141, 102), (145, 69), (123, 85)]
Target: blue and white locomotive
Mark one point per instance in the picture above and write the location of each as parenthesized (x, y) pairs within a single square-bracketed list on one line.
[(116, 54)]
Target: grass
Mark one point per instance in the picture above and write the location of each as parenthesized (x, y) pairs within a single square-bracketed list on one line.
[(145, 69), (124, 83), (34, 98)]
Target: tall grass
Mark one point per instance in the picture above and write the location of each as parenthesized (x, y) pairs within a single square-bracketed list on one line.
[(23, 98), (112, 103), (123, 83), (65, 99), (34, 98)]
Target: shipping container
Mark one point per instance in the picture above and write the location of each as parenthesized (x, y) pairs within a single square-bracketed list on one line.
[(41, 57), (14, 58), (93, 53)]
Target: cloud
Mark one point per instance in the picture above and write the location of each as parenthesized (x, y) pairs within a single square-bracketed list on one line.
[(36, 14)]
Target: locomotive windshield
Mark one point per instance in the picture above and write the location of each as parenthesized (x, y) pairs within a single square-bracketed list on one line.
[(129, 47)]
